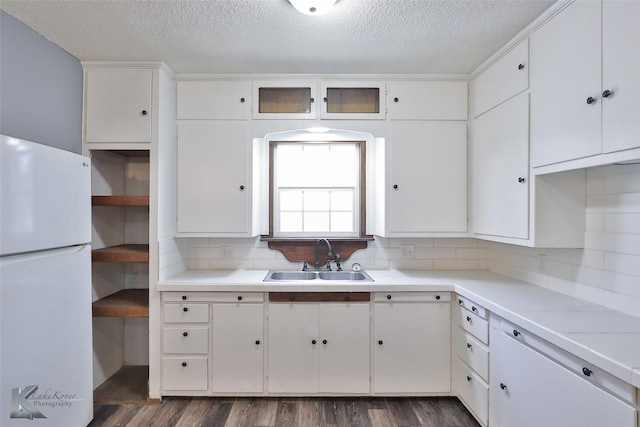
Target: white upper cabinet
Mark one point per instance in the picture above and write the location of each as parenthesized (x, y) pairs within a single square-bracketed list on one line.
[(219, 100), (428, 100), (354, 100), (585, 90), (501, 170), (621, 75), (504, 79), (288, 99), (118, 105)]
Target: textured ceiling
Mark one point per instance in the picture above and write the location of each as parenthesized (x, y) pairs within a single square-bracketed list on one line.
[(270, 36)]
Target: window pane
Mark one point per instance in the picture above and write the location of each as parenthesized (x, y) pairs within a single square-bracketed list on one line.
[(342, 200), (316, 221), (341, 221), (316, 201), (291, 222), (291, 200)]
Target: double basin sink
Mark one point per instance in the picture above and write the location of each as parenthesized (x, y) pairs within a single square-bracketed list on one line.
[(303, 276)]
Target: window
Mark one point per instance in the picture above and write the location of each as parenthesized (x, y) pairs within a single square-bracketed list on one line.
[(317, 188)]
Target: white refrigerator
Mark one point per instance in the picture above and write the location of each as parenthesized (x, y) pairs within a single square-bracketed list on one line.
[(45, 286)]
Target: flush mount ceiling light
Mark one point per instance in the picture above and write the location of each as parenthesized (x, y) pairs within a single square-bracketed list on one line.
[(312, 7)]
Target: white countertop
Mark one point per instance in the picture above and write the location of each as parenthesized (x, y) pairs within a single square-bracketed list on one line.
[(606, 338)]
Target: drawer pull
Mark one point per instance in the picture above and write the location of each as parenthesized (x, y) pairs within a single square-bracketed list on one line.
[(468, 378), (586, 371), (468, 319), (184, 297), (460, 302), (292, 297), (437, 297), (473, 308), (185, 309), (388, 296), (184, 334), (184, 364), (257, 342), (503, 386), (239, 298), (515, 333), (468, 345)]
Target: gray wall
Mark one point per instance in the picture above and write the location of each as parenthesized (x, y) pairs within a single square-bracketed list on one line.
[(40, 88)]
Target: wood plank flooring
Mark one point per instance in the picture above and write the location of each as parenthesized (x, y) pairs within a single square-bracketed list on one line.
[(288, 412)]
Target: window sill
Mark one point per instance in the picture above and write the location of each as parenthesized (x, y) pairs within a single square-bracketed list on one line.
[(304, 248)]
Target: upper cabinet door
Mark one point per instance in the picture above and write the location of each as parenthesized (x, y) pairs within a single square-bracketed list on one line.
[(220, 100), (118, 105), (289, 99), (621, 75), (565, 85), (428, 100), (353, 100), (506, 78)]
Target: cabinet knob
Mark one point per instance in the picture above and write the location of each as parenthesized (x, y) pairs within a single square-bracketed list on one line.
[(184, 297), (591, 100), (257, 342), (586, 371), (520, 66), (521, 179), (468, 378), (185, 309), (324, 99), (292, 297), (395, 186), (474, 308), (468, 319), (380, 342), (515, 333), (241, 187), (607, 93), (460, 302), (468, 345), (185, 334), (143, 112), (312, 100), (503, 386), (241, 99), (239, 298), (313, 342), (438, 297), (324, 341), (395, 100), (388, 296), (347, 297), (184, 364)]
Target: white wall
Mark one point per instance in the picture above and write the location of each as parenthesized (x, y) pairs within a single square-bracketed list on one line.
[(607, 270)]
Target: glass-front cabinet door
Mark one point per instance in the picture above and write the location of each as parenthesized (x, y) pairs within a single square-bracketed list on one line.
[(353, 100), (284, 100)]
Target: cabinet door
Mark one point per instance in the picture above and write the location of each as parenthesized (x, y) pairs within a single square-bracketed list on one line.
[(411, 347), (213, 177), (237, 348), (621, 75), (353, 100), (291, 99), (220, 100), (520, 376), (428, 177), (433, 100), (293, 355), (565, 72), (118, 105), (501, 170), (344, 359)]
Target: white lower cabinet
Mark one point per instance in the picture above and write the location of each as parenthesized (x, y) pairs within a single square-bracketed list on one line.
[(529, 388), (237, 348), (411, 348), (318, 348)]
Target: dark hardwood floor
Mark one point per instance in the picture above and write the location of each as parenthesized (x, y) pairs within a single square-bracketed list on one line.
[(289, 412)]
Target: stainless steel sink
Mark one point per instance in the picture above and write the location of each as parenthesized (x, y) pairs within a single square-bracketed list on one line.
[(304, 276)]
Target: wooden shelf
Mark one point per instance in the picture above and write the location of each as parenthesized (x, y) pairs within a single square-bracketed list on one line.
[(121, 253), (130, 385), (124, 303), (120, 201)]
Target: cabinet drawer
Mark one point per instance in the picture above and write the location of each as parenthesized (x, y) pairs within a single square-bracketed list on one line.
[(186, 313), (506, 78), (472, 351), (412, 296), (212, 296), (467, 304), (472, 323), (186, 340), (473, 391), (186, 373)]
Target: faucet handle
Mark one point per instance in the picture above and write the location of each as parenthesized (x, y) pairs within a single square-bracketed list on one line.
[(305, 266), (338, 265)]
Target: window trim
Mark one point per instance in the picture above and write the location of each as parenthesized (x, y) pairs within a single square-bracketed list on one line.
[(362, 208)]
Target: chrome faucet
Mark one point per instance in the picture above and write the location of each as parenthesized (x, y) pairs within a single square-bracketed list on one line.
[(330, 254)]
